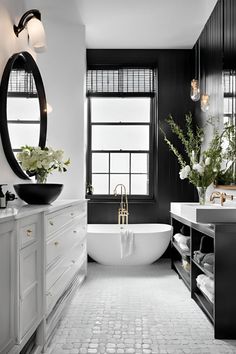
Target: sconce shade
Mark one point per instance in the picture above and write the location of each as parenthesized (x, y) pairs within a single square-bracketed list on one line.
[(195, 90), (205, 102), (31, 21), (36, 34)]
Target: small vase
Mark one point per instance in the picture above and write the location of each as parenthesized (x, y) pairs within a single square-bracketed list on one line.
[(202, 195), (41, 178)]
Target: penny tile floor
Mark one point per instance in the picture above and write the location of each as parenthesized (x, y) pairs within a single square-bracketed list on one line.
[(140, 310)]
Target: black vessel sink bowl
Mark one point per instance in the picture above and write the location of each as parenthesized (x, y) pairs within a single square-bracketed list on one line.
[(36, 193)]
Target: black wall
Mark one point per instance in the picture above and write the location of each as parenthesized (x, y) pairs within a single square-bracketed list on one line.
[(175, 71), (217, 52)]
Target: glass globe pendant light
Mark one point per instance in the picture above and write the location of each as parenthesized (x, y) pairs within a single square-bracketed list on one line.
[(205, 102), (195, 90)]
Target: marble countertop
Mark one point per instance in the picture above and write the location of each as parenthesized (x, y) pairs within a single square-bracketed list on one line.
[(20, 211)]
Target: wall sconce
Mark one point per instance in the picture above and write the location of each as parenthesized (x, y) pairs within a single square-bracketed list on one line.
[(31, 21), (205, 102)]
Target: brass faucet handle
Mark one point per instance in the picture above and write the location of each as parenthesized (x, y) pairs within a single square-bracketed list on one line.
[(228, 196), (223, 197), (215, 195)]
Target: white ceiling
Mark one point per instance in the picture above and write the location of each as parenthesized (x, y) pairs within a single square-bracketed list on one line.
[(147, 24)]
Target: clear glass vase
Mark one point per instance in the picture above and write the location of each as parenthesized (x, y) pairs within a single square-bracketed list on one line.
[(202, 195), (41, 178)]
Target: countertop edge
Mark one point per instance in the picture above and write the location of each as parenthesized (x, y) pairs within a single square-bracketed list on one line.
[(15, 213)]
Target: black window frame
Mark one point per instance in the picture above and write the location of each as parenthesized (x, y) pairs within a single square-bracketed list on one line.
[(152, 137)]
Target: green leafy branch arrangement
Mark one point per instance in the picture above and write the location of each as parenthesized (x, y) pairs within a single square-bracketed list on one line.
[(201, 168)]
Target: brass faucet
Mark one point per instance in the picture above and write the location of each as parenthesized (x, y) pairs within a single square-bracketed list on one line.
[(123, 212), (223, 197)]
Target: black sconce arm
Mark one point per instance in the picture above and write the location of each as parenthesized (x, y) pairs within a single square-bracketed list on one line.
[(25, 18)]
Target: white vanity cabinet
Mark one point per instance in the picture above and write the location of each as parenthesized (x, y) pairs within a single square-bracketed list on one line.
[(29, 230), (7, 286), (65, 258), (43, 260)]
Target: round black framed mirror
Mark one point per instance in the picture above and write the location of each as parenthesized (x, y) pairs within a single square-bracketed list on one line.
[(23, 108)]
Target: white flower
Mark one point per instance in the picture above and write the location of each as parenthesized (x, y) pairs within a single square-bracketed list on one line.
[(199, 168), (41, 161), (184, 172), (45, 164), (58, 155), (39, 164), (207, 161)]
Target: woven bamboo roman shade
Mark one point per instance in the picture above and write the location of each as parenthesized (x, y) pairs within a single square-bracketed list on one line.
[(121, 81)]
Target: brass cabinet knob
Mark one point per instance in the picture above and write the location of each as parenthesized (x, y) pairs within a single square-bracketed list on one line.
[(29, 232), (71, 214), (56, 243), (73, 261), (51, 222), (75, 231)]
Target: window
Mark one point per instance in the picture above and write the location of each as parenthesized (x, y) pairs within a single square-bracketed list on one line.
[(120, 144), (23, 111), (229, 85)]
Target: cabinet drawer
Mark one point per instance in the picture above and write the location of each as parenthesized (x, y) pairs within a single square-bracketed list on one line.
[(73, 256), (59, 245), (30, 230), (55, 221), (62, 283)]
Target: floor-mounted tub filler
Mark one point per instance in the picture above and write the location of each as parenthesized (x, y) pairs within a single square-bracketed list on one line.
[(105, 243)]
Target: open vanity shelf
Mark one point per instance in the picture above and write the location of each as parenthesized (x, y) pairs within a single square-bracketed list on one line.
[(222, 310)]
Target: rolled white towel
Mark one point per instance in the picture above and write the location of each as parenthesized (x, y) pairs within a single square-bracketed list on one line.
[(206, 282), (182, 241), (181, 238), (183, 246), (207, 292), (126, 243)]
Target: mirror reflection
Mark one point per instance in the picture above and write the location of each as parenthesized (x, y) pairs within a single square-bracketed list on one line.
[(229, 136), (23, 111)]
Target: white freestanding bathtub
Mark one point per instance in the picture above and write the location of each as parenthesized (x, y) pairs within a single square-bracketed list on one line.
[(150, 242)]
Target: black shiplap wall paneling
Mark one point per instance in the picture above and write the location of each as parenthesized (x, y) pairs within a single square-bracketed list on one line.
[(175, 71), (229, 34), (211, 60)]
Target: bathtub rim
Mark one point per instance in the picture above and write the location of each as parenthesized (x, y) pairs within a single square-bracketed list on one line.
[(138, 228)]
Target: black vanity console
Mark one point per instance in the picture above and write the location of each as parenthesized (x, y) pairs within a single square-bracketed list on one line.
[(220, 308)]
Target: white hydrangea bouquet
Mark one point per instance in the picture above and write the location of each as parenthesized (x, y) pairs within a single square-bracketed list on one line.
[(41, 161), (200, 168)]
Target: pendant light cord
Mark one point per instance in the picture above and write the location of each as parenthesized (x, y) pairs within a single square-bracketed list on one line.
[(199, 66)]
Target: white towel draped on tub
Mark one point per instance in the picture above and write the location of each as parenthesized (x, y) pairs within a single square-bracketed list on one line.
[(126, 243)]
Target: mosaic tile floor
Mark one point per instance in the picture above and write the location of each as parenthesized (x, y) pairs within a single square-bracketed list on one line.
[(140, 310)]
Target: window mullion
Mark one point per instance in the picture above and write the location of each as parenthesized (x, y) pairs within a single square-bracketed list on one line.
[(130, 173), (120, 123), (109, 173)]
